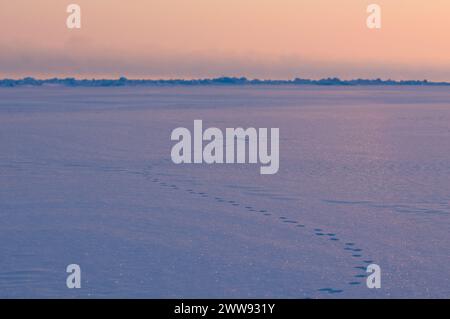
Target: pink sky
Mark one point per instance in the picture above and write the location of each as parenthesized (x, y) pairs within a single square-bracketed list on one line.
[(207, 38)]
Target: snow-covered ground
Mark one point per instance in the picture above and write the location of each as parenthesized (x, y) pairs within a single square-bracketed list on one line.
[(86, 177)]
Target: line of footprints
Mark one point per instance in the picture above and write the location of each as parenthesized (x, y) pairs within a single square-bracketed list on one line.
[(351, 248)]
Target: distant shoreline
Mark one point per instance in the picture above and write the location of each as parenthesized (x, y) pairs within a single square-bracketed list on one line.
[(225, 81)]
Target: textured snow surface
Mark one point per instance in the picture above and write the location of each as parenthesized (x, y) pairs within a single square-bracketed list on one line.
[(86, 178)]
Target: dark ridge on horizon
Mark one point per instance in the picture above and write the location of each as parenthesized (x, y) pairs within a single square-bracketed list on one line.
[(123, 81)]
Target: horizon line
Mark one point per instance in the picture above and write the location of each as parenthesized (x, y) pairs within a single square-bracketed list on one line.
[(224, 80)]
